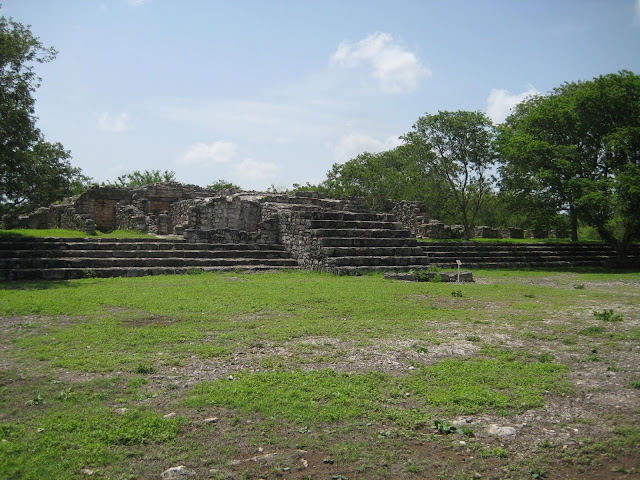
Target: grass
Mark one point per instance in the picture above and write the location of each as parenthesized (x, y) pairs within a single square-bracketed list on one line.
[(63, 233), (351, 369), (325, 396)]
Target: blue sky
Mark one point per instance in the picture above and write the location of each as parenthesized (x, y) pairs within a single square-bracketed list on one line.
[(274, 92)]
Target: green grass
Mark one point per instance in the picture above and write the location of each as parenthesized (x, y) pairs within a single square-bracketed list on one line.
[(299, 360), (63, 233), (317, 397), (65, 434)]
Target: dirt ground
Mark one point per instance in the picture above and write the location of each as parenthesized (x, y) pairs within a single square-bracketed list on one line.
[(560, 441)]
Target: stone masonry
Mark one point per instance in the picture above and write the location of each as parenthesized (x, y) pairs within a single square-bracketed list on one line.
[(318, 232)]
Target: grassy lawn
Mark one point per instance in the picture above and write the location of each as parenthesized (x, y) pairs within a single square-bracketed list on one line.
[(522, 374), (62, 233)]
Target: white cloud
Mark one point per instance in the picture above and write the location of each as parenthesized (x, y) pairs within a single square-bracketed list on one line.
[(114, 123), (351, 145), (500, 102), (137, 3), (396, 69), (202, 154), (252, 173)]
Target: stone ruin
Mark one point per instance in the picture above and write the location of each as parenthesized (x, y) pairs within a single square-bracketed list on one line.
[(222, 216), (199, 228), (144, 209), (318, 232), (414, 218)]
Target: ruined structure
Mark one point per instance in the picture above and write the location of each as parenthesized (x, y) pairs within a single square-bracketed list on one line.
[(107, 208), (205, 230), (317, 232), (414, 218)]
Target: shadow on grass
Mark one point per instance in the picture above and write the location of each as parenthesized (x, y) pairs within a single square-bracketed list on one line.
[(40, 284)]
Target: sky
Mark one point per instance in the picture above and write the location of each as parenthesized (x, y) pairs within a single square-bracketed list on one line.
[(271, 93)]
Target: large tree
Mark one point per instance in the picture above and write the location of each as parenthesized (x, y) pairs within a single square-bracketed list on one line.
[(374, 177), (458, 148), (33, 172), (398, 174), (578, 149)]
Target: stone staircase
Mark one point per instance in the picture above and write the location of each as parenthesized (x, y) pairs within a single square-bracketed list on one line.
[(70, 258), (524, 255), (342, 242), (355, 242)]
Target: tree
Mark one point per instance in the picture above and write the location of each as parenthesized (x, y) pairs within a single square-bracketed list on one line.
[(578, 149), (458, 147), (374, 177), (222, 184), (147, 177), (33, 172)]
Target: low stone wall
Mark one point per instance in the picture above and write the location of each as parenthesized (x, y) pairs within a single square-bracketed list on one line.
[(437, 229), (106, 207), (414, 218)]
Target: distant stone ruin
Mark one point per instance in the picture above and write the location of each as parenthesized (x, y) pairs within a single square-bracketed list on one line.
[(414, 218), (318, 232)]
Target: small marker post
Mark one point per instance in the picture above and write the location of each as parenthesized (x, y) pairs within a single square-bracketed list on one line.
[(459, 263)]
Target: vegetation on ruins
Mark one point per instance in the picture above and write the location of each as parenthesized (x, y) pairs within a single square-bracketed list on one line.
[(147, 177), (33, 172), (222, 184)]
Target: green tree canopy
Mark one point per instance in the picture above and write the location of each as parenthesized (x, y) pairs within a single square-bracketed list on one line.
[(458, 148), (578, 149), (33, 172), (223, 184), (147, 177), (397, 174)]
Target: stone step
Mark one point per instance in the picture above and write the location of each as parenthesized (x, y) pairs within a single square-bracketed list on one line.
[(360, 233), (371, 251), (511, 265), (520, 256), (91, 263), (363, 269), (357, 224), (351, 216), (449, 247), (32, 259), (102, 253), (151, 244), (77, 273), (366, 241), (377, 261)]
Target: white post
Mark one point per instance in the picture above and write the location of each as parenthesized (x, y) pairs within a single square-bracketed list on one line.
[(459, 263)]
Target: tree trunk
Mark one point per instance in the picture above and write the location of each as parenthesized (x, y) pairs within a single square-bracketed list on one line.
[(574, 224), (621, 247)]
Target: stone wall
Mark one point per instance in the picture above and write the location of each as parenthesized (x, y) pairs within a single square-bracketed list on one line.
[(412, 215), (437, 229), (130, 217), (106, 208), (414, 218), (294, 232), (486, 232)]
